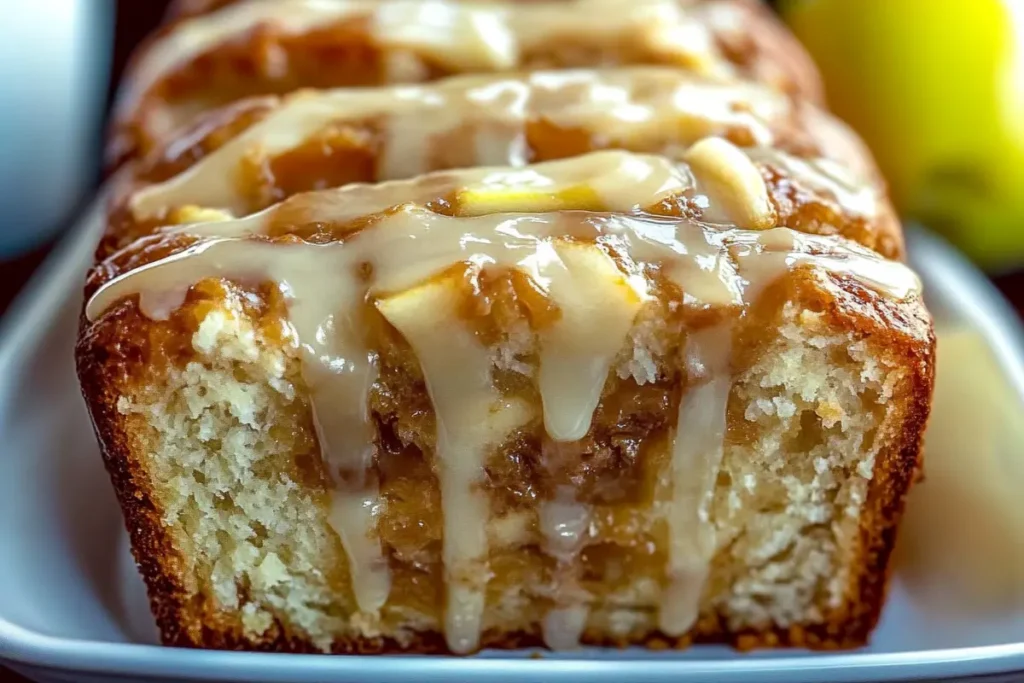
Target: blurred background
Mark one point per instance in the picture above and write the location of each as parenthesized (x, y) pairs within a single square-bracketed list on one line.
[(936, 87)]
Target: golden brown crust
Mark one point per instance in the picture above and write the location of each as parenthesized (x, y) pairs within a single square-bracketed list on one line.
[(805, 210), (896, 470), (207, 133), (103, 366), (909, 335)]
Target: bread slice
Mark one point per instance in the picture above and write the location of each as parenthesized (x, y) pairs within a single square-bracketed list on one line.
[(258, 152), (504, 409), (276, 46)]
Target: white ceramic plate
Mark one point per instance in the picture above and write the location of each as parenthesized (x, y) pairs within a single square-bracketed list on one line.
[(72, 607)]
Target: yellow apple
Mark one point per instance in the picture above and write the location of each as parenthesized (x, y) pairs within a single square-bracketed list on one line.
[(478, 200), (936, 87)]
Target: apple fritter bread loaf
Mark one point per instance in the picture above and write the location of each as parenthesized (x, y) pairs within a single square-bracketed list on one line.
[(276, 46), (436, 326), (504, 407)]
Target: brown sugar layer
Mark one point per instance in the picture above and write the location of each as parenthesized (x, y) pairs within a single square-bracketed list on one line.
[(362, 421), (263, 47)]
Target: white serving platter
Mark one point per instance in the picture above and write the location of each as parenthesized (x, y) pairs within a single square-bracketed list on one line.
[(72, 607)]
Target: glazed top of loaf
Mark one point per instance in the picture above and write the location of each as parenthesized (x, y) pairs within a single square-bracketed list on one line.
[(464, 36), (256, 47), (488, 120), (717, 187)]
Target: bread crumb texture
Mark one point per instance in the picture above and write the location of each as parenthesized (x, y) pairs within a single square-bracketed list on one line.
[(232, 462)]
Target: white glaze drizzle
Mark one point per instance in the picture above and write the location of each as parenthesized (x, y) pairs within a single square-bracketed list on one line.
[(727, 184), (440, 241), (641, 107), (461, 36), (344, 429), (471, 419), (563, 627), (597, 305), (565, 525), (619, 180), (696, 454)]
